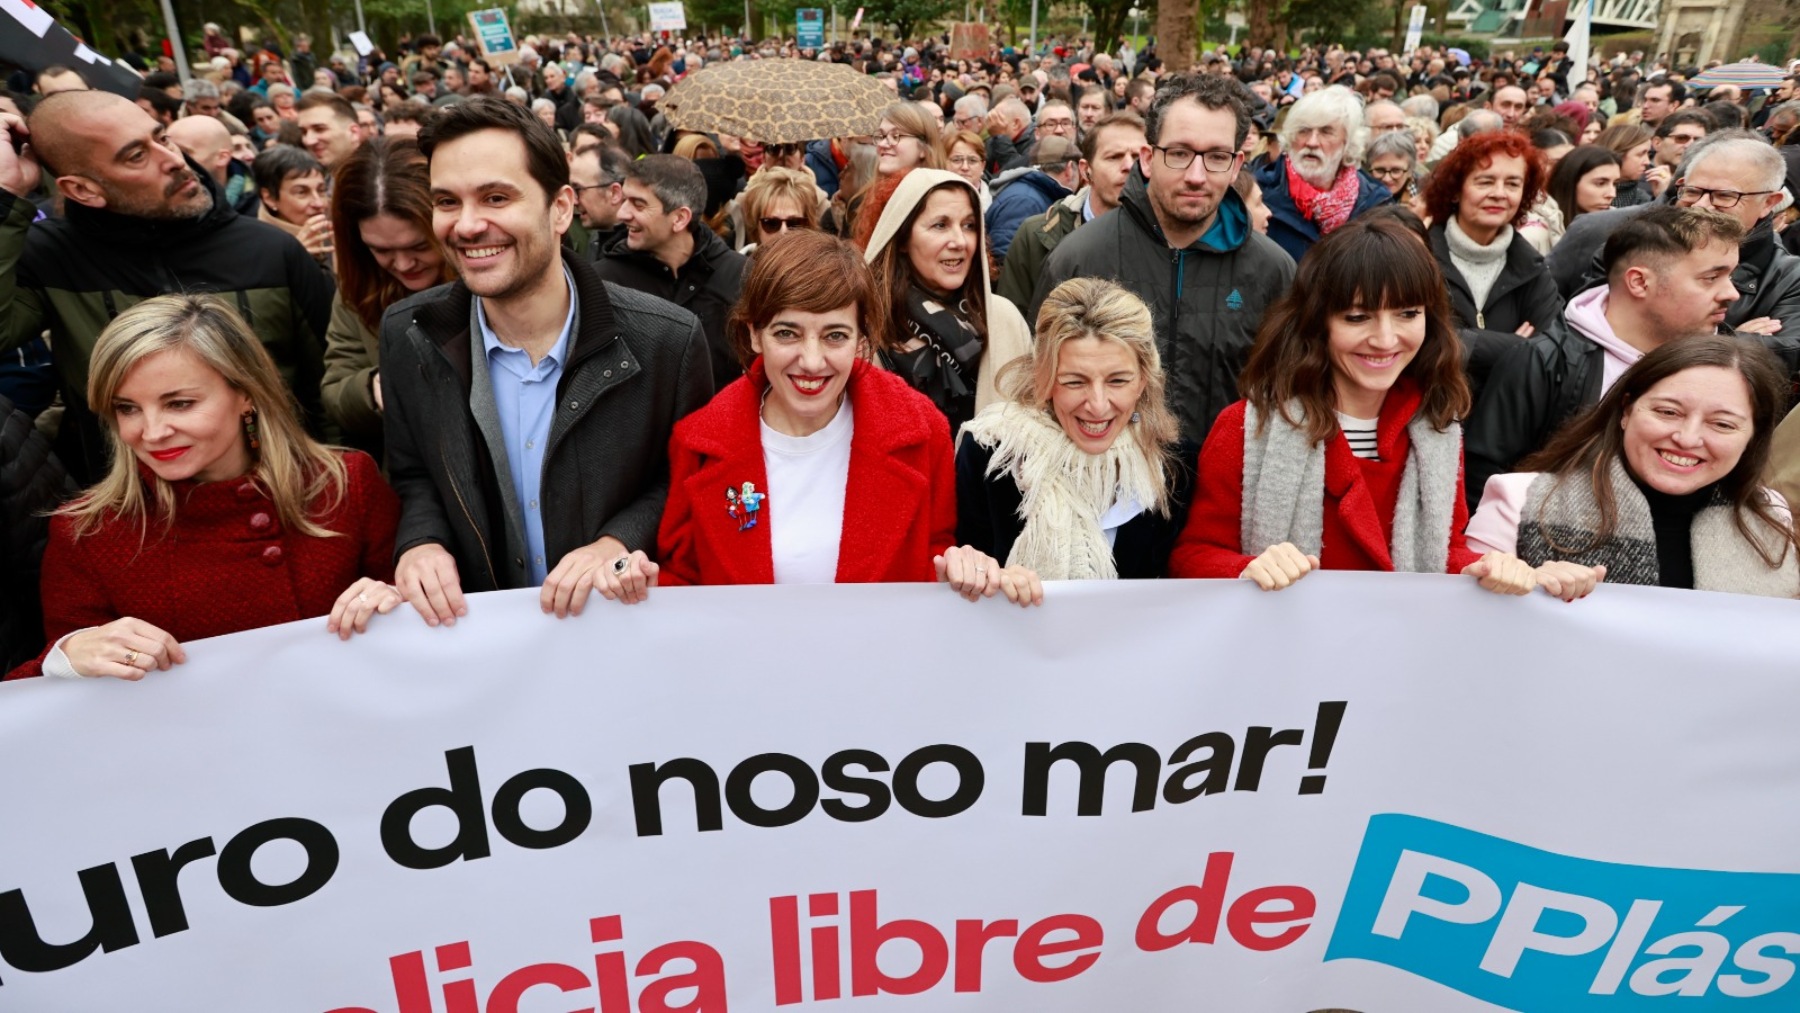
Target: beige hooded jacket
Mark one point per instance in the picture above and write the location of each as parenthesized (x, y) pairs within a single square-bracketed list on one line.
[(1008, 336)]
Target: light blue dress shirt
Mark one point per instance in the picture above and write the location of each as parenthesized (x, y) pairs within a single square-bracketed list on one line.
[(525, 395)]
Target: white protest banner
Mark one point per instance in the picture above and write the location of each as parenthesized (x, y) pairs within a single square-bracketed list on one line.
[(668, 17), (1367, 792), (364, 45)]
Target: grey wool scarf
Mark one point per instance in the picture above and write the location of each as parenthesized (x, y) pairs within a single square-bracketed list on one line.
[(1284, 490)]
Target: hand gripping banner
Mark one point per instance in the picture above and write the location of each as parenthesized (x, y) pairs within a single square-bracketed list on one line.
[(1369, 792)]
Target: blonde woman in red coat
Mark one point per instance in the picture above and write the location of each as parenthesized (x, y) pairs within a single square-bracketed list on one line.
[(219, 514), (818, 467)]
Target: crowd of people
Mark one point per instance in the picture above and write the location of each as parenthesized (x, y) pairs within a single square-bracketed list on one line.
[(296, 339)]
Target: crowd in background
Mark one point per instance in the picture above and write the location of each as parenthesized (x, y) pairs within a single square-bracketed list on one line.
[(320, 335)]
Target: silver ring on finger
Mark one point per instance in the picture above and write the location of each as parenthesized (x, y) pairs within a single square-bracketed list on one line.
[(621, 564), (363, 597)]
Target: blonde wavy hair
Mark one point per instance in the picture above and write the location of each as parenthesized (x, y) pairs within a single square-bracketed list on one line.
[(1098, 309), (295, 470), (771, 184)]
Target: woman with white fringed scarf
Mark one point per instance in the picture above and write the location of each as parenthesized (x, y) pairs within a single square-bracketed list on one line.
[(1072, 475)]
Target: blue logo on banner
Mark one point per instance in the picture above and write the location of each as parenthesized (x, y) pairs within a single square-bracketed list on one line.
[(1531, 930)]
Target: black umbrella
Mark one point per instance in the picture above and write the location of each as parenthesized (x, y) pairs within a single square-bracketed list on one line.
[(31, 38)]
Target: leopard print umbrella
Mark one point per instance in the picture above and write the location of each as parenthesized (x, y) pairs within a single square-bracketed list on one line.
[(778, 101)]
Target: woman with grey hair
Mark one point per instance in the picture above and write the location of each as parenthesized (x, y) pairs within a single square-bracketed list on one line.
[(1393, 158), (1316, 185)]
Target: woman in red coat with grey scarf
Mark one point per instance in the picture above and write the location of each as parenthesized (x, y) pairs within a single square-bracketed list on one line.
[(1346, 452)]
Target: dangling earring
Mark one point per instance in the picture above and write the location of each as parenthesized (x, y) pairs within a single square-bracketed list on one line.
[(249, 421)]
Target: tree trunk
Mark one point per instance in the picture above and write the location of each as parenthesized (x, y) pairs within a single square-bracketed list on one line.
[(1261, 24), (1175, 35)]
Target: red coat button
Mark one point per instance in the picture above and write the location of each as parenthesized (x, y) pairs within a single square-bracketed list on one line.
[(247, 491), (259, 521), (271, 556)]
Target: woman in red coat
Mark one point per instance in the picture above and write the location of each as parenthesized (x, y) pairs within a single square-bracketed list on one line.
[(1345, 453), (219, 513), (817, 467)]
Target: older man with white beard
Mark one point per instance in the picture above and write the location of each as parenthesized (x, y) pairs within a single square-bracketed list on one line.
[(1315, 186)]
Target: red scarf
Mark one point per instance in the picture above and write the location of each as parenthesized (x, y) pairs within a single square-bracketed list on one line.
[(1327, 209)]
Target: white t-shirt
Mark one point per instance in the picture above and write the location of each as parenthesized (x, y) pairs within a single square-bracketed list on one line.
[(807, 479)]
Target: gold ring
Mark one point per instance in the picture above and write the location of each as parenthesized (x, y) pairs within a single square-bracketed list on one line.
[(131, 658)]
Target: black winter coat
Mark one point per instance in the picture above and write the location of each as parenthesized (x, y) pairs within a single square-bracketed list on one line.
[(1207, 300), (1523, 293), (637, 365), (1532, 390), (707, 287), (32, 481), (987, 513)]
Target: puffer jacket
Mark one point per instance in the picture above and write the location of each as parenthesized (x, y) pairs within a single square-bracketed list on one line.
[(1018, 195), (1207, 299), (73, 275)]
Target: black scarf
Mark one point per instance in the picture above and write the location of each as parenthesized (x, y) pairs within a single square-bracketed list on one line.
[(945, 365)]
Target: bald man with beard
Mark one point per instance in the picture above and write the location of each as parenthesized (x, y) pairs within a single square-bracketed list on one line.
[(140, 220)]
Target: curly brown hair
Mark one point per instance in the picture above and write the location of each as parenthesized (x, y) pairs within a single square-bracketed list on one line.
[(1474, 153)]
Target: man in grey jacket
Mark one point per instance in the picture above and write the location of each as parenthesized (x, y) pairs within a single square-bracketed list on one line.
[(1181, 240), (528, 406)]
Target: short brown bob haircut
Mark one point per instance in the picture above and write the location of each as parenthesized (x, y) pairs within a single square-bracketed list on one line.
[(810, 271), (1371, 263)]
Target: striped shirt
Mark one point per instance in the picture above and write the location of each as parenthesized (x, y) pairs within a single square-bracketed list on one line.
[(1361, 434)]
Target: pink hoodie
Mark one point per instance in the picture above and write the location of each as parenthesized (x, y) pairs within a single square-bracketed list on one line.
[(1587, 314)]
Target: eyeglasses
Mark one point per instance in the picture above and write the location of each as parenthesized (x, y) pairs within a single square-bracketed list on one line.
[(1181, 158), (579, 190), (1722, 200), (1391, 172), (1056, 124), (965, 161), (894, 137), (781, 224)]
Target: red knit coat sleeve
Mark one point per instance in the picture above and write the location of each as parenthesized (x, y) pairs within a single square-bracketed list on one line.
[(943, 491), (1460, 553), (1210, 544)]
